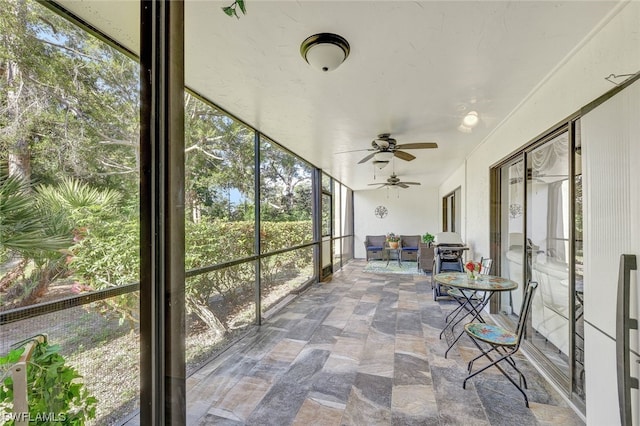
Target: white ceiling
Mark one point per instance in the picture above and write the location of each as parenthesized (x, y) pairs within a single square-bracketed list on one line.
[(414, 70)]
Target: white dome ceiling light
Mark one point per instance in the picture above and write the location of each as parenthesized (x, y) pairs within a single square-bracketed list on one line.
[(471, 119), (325, 51)]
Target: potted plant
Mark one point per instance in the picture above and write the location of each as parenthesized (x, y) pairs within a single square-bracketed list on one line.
[(428, 238), (473, 269), (393, 240), (55, 393)]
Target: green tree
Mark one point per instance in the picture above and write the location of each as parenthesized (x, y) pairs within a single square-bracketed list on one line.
[(68, 102), (219, 160)]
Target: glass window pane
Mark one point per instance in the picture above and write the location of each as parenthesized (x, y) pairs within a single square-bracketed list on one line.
[(104, 350), (547, 235), (219, 186), (347, 249), (282, 274), (337, 254), (70, 130), (326, 183), (578, 373), (286, 198), (337, 216), (220, 305), (512, 244), (346, 207), (326, 252)]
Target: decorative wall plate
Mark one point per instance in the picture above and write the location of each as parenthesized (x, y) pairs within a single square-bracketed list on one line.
[(381, 212)]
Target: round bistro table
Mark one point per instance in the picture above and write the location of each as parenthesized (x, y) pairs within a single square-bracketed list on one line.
[(471, 289)]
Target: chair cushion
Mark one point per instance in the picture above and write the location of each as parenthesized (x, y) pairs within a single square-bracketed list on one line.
[(490, 333), (410, 248), (374, 248)]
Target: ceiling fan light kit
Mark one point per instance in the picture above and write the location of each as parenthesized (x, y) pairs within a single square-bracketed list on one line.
[(383, 156), (385, 147), (325, 51), (380, 164), (394, 181)]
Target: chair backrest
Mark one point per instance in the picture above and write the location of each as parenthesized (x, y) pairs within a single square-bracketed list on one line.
[(524, 310), (485, 265), (410, 240), (375, 240)]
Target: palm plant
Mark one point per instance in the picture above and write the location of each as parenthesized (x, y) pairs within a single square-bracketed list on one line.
[(37, 227), (26, 234)]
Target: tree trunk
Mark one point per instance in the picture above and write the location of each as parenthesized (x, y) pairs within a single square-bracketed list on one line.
[(206, 315), (44, 279), (13, 274), (19, 154)]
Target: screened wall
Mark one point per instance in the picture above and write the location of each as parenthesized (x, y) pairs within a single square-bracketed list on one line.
[(255, 215)]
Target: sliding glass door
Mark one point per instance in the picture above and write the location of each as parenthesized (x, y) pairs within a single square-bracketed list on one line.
[(547, 233), (540, 222)]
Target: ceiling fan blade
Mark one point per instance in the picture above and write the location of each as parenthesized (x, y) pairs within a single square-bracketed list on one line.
[(403, 155), (381, 184), (355, 150), (410, 183), (419, 145), (367, 158), (402, 185)]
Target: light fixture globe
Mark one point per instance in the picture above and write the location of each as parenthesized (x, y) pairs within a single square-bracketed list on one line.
[(471, 119), (325, 51), (383, 156), (380, 164)]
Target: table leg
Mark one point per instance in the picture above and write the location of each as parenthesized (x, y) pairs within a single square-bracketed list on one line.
[(472, 309)]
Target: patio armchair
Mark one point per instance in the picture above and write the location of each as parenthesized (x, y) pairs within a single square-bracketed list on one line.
[(409, 245), (374, 246)]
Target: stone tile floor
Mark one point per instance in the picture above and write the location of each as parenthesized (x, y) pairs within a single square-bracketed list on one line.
[(362, 349)]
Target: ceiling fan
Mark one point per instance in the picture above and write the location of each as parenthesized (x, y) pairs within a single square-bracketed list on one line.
[(385, 148), (394, 180)]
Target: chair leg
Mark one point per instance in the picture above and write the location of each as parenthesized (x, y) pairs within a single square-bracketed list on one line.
[(495, 362)]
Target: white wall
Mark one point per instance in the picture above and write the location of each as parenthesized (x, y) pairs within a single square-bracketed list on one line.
[(412, 211), (611, 196)]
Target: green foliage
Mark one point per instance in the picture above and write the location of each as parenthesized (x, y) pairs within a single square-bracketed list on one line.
[(428, 238), (53, 387), (26, 225), (231, 10), (211, 242), (74, 100)]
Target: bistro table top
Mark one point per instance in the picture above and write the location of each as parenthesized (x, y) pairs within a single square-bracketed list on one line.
[(483, 283)]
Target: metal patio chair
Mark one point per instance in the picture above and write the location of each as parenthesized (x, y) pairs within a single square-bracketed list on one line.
[(503, 342)]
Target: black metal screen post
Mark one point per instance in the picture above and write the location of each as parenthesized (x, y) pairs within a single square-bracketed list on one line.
[(162, 275), (257, 221), (316, 211)]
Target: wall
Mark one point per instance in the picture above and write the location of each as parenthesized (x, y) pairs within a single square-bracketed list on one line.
[(412, 211), (611, 151)]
